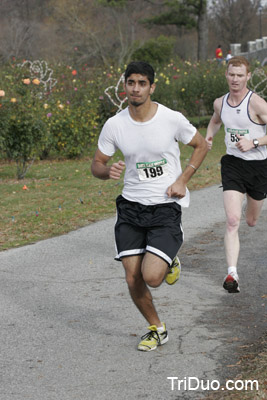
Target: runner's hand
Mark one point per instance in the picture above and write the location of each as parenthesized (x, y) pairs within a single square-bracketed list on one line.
[(116, 170), (209, 142), (244, 144), (177, 189)]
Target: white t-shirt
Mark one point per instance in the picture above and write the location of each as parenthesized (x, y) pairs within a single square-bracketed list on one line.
[(151, 152)]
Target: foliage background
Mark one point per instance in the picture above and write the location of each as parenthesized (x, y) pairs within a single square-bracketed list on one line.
[(105, 32), (65, 122)]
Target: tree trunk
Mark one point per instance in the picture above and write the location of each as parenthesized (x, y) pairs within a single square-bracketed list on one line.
[(202, 30)]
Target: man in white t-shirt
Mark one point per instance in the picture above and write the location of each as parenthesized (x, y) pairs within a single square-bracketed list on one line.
[(148, 230), (244, 167)]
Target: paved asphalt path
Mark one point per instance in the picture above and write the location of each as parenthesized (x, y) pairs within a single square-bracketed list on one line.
[(69, 330)]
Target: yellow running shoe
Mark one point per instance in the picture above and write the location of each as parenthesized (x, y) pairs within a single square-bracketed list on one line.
[(174, 272), (153, 339)]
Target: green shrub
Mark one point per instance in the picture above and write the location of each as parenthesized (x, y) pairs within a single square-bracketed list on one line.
[(59, 121), (190, 87), (64, 119), (21, 125), (155, 51)]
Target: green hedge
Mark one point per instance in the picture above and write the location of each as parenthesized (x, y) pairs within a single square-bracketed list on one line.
[(64, 120)]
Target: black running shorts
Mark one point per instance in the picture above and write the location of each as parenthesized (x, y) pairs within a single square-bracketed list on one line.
[(244, 176), (156, 229)]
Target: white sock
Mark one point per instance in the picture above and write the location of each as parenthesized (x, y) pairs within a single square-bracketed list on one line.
[(232, 270), (160, 329)]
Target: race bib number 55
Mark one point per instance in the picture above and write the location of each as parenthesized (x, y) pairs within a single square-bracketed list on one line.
[(232, 139), (152, 170)]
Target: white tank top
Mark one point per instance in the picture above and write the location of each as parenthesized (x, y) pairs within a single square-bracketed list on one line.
[(237, 120)]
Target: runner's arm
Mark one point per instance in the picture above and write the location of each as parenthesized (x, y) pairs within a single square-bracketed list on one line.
[(178, 188), (258, 109), (101, 170), (215, 122), (258, 113)]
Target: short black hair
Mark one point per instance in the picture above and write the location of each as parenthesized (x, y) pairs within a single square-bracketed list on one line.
[(142, 68)]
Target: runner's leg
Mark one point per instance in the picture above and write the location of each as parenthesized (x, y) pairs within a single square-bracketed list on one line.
[(253, 210), (138, 289), (154, 269), (233, 207)]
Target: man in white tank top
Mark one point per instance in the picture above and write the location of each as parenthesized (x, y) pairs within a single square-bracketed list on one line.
[(148, 229), (244, 167)]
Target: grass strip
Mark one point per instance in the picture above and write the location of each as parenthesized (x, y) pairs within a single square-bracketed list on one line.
[(57, 197)]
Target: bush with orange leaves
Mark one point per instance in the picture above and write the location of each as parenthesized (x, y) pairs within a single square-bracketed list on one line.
[(36, 122), (21, 124)]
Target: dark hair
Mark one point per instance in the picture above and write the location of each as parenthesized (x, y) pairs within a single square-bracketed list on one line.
[(142, 68)]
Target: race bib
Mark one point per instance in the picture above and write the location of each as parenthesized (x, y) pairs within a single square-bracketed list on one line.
[(152, 170), (232, 139)]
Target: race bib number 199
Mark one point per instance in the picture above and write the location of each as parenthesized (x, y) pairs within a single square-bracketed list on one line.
[(232, 139), (152, 170)]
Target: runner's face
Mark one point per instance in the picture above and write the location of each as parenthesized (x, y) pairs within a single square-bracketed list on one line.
[(237, 77), (138, 89)]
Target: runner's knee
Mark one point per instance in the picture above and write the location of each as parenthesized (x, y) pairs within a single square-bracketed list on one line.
[(251, 221), (153, 278), (133, 280), (233, 222), (153, 281)]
